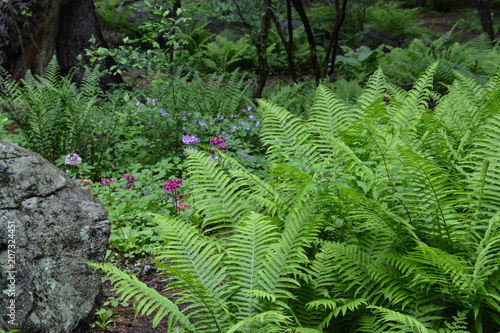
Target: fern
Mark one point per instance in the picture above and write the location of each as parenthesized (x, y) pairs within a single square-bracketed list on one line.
[(378, 217)]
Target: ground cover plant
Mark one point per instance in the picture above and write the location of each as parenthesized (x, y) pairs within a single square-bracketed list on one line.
[(383, 216)]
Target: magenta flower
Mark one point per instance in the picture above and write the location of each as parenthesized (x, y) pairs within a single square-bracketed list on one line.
[(130, 182), (218, 142), (172, 184)]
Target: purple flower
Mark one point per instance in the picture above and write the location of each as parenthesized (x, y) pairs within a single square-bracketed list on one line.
[(194, 122), (187, 139), (243, 110), (225, 120), (232, 116), (257, 123), (144, 192), (196, 117), (118, 196), (211, 123), (201, 123), (247, 157), (218, 115), (227, 136), (147, 103), (184, 118), (249, 108), (248, 128), (138, 103), (234, 128), (250, 116), (242, 153), (154, 102), (163, 113)]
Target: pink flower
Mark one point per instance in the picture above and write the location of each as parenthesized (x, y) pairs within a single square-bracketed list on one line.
[(182, 206), (73, 159)]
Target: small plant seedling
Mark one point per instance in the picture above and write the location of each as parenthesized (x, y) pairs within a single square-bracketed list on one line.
[(103, 320)]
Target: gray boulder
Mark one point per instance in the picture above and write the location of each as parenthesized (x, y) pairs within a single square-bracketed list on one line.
[(49, 227)]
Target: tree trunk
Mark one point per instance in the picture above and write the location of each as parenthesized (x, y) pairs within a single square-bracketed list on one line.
[(262, 49), (288, 45), (484, 9), (334, 38), (299, 7), (47, 28), (289, 50)]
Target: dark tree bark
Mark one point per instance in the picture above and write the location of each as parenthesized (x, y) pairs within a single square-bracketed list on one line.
[(262, 49), (51, 27), (334, 38), (299, 7), (291, 59), (287, 44), (484, 9)]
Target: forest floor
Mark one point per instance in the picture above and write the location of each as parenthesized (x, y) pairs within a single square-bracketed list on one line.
[(442, 23), (123, 319)]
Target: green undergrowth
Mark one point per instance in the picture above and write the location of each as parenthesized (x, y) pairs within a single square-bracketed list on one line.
[(377, 216)]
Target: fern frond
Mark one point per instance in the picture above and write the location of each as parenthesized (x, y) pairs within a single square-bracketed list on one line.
[(404, 322), (216, 194), (146, 299), (282, 131), (246, 248), (375, 89), (410, 111), (200, 278), (268, 316), (329, 114)]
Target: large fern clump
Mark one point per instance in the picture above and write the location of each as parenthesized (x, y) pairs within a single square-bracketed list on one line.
[(57, 117), (375, 217), (475, 58)]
